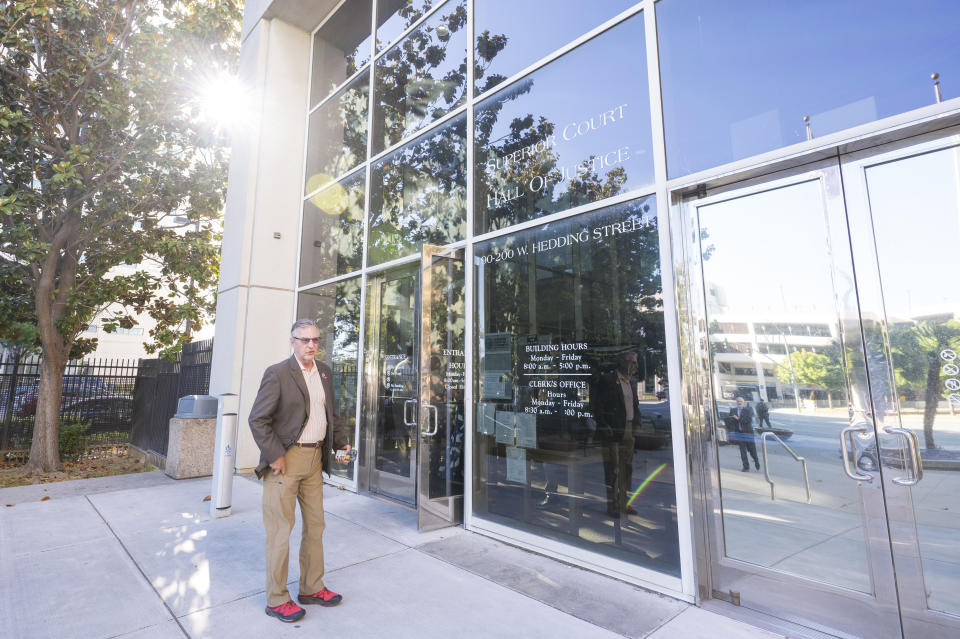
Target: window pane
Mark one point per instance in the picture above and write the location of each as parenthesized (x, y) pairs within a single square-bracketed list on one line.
[(419, 194), (340, 48), (336, 309), (543, 147), (570, 320), (395, 16), (514, 35), (738, 78), (337, 137), (422, 78), (332, 238)]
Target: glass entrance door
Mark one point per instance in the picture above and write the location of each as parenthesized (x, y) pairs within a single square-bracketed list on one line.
[(414, 380), (906, 200), (442, 377), (392, 380), (821, 326)]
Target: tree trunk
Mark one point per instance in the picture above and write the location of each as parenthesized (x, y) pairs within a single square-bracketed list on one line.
[(44, 450), (54, 282), (931, 399)]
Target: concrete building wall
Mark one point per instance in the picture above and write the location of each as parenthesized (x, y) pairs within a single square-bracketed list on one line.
[(259, 253)]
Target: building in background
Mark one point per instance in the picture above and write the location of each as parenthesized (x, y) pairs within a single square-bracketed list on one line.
[(487, 206)]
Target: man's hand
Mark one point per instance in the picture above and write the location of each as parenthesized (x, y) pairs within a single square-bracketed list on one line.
[(279, 466), (342, 453)]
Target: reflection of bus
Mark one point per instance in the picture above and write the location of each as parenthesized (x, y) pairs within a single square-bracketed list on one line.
[(750, 392)]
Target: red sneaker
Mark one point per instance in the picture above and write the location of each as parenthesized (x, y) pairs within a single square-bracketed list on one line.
[(288, 612), (324, 598)]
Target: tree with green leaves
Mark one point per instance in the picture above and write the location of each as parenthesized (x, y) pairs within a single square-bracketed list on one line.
[(813, 369), (105, 162), (918, 366)]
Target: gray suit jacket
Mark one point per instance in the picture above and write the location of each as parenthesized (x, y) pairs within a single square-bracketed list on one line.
[(282, 407)]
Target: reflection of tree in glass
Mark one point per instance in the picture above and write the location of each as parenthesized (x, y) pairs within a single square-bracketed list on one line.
[(334, 229), (487, 48), (352, 112), (337, 140), (823, 370), (446, 304), (409, 88), (419, 194), (409, 12), (604, 292), (917, 363), (511, 190)]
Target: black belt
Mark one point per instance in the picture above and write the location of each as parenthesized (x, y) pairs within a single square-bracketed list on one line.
[(309, 444)]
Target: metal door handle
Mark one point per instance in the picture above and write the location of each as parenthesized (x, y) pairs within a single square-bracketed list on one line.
[(407, 420), (436, 421), (844, 436), (913, 454)]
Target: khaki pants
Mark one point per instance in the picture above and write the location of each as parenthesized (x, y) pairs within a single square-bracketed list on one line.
[(302, 482)]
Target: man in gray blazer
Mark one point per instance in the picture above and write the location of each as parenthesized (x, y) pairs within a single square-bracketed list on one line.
[(295, 423)]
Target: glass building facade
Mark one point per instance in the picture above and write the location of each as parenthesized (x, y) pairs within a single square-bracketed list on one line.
[(552, 243)]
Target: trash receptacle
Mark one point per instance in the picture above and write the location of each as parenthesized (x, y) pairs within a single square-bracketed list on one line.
[(192, 432)]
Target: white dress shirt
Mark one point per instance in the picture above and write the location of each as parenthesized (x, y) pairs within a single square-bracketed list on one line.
[(316, 428)]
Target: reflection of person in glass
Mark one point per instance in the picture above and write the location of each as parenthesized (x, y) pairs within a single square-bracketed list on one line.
[(763, 414), (740, 429), (618, 414)]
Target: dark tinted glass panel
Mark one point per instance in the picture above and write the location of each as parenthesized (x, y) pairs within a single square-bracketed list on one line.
[(396, 16), (336, 309), (572, 436), (513, 35), (419, 194), (545, 145), (332, 231), (337, 136), (738, 78), (341, 47), (422, 78)]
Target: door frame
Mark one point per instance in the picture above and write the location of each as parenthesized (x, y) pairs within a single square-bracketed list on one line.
[(371, 378)]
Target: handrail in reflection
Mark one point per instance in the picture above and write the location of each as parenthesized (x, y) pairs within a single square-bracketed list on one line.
[(766, 467)]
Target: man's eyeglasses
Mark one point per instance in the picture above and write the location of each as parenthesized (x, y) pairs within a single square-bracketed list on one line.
[(308, 340)]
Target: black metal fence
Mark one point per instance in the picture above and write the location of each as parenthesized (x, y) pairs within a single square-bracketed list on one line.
[(159, 385), (96, 392), (130, 397)]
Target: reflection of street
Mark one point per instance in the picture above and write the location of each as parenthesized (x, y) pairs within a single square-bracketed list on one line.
[(577, 511), (824, 540)]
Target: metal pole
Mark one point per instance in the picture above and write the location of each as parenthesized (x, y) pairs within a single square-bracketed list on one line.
[(936, 87), (11, 395), (793, 378)]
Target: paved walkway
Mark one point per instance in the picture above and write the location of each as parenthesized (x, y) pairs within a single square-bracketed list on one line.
[(138, 556)]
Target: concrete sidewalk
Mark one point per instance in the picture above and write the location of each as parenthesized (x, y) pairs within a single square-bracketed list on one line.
[(138, 556)]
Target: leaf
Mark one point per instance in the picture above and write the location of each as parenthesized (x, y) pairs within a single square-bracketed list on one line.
[(45, 498), (207, 498)]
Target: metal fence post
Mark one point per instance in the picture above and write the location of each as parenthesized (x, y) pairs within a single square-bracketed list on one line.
[(11, 395)]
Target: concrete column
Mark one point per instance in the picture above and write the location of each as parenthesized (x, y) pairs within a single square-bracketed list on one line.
[(259, 253)]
